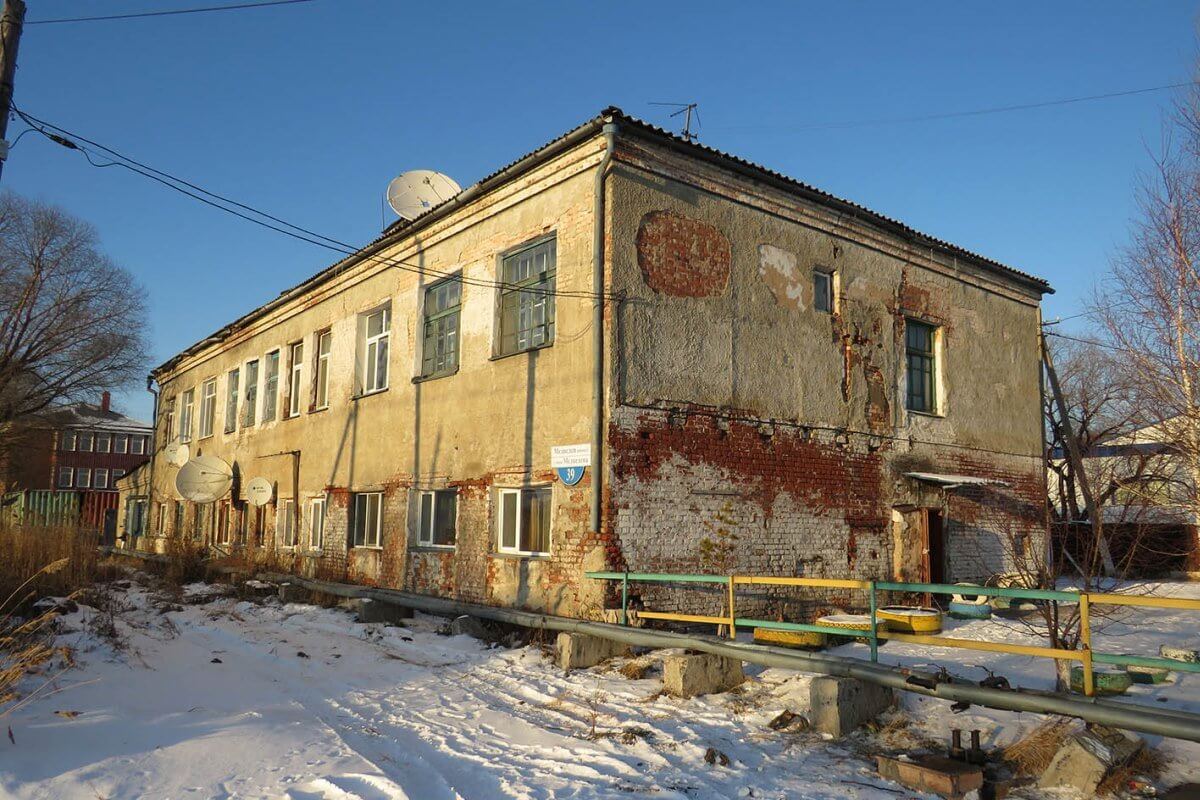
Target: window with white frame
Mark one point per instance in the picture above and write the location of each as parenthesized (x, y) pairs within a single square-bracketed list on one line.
[(66, 477), (524, 521), (316, 524), (117, 473), (103, 443), (376, 328), (287, 523), (223, 515), (439, 509), (121, 443), (321, 377), (527, 297), (270, 386), (139, 444), (295, 373), (83, 478), (85, 442), (208, 407), (232, 382), (69, 440), (367, 522), (250, 402), (161, 525), (101, 479), (439, 345), (824, 291), (185, 415)]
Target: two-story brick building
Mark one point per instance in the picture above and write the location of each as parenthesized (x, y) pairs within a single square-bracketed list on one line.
[(763, 377)]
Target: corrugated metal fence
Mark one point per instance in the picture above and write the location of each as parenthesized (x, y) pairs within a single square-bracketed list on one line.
[(40, 507)]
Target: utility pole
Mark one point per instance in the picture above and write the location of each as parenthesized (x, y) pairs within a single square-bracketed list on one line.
[(11, 22)]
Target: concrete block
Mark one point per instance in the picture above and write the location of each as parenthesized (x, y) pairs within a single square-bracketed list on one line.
[(294, 593), (577, 650), (936, 774), (1088, 758), (369, 610), (839, 705), (691, 674), (1179, 653), (467, 625)]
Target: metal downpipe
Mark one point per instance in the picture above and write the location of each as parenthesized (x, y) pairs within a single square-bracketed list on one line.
[(1164, 722), (610, 132)]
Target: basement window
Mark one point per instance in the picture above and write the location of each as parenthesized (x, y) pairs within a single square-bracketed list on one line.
[(367, 522), (524, 521), (920, 340), (223, 523), (439, 510), (527, 298)]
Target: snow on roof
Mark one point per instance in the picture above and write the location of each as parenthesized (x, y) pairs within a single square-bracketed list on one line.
[(953, 481), (85, 415)]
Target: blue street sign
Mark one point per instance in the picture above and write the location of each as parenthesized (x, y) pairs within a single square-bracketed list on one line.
[(570, 475)]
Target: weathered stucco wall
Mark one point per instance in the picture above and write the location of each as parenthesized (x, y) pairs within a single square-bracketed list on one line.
[(744, 411), (491, 424)]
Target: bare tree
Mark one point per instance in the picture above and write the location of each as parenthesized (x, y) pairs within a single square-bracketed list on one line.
[(72, 322)]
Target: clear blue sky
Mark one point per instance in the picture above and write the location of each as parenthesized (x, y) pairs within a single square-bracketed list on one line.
[(308, 110)]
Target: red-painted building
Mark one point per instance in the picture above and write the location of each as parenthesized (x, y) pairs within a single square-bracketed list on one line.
[(78, 447)]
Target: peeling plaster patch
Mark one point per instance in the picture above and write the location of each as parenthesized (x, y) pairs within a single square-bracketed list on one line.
[(780, 270), (682, 257)]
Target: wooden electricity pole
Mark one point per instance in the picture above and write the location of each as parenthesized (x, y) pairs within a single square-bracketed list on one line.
[(11, 22)]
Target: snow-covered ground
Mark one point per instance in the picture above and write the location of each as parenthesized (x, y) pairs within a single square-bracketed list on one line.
[(216, 697)]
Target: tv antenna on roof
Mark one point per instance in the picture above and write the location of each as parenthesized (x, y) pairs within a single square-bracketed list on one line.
[(412, 193), (687, 109)]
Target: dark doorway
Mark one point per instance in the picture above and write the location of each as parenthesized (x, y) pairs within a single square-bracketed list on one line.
[(935, 546)]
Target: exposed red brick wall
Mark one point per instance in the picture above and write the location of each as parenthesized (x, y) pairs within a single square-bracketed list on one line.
[(682, 257)]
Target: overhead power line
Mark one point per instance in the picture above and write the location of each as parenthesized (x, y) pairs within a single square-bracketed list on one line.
[(71, 140), (176, 12), (862, 123)]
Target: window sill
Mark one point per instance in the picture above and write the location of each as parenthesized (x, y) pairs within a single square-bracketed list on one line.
[(499, 356), (372, 393), (433, 548), (435, 376), (373, 547), (318, 409), (928, 414), (520, 556)]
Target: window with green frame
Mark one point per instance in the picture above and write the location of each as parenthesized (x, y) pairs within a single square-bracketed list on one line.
[(439, 350), (919, 344), (527, 297)]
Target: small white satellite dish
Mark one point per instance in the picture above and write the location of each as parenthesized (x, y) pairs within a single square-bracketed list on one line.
[(204, 479), (412, 193), (259, 491), (177, 453)]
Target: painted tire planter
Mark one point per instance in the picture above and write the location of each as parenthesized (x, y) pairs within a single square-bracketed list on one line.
[(854, 622), (968, 599), (806, 639), (969, 610), (1109, 680), (911, 619)]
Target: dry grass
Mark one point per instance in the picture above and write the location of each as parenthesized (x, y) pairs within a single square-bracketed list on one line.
[(1147, 763), (1031, 754), (637, 668), (27, 643), (26, 552)]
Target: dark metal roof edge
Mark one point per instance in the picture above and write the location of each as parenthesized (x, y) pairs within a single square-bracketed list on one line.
[(580, 133)]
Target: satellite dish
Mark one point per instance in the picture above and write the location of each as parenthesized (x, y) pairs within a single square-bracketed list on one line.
[(177, 453), (412, 193), (259, 491), (204, 479)]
